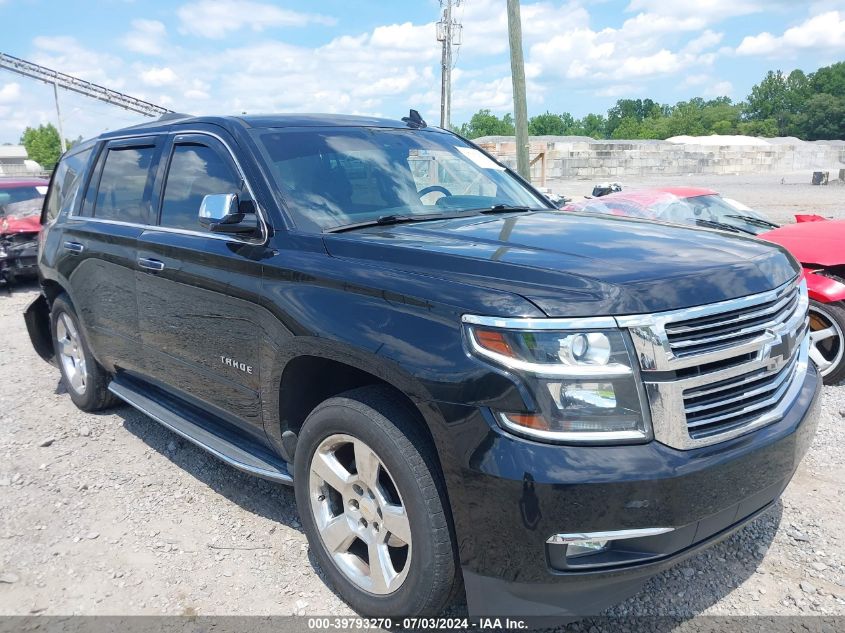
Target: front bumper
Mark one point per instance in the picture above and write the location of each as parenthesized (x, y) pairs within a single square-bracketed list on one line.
[(18, 256), (517, 493)]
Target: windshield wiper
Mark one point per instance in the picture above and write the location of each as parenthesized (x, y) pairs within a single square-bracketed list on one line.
[(722, 226), (750, 219), (388, 220)]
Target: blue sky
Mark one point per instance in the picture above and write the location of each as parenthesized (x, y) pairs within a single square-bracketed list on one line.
[(381, 57)]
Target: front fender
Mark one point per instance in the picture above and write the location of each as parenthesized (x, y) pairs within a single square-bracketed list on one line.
[(823, 289)]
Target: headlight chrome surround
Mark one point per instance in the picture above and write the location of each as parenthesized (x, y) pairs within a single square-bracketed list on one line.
[(582, 373)]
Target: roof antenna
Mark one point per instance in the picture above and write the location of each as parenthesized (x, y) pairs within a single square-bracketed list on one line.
[(414, 120)]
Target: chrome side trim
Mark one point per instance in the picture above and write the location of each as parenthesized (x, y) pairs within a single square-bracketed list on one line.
[(616, 535), (283, 478), (531, 323)]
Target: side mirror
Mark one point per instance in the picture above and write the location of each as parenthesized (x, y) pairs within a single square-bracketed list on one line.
[(221, 213)]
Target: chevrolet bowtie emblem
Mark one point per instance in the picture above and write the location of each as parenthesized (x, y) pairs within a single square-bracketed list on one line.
[(779, 350)]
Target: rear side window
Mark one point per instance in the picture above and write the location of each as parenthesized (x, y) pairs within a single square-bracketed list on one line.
[(123, 184), (65, 185), (195, 172)]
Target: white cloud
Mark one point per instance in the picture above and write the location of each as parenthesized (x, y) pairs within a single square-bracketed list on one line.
[(707, 11), (159, 76), (823, 32), (10, 93), (146, 37), (708, 39), (217, 18), (720, 89)]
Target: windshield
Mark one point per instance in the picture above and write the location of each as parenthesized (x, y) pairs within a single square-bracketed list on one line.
[(333, 177), (710, 210), (23, 193)]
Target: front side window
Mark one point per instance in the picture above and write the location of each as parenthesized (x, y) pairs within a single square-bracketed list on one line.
[(66, 183), (123, 184), (332, 177), (195, 172)]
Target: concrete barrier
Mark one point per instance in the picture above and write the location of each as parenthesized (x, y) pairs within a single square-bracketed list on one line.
[(568, 157)]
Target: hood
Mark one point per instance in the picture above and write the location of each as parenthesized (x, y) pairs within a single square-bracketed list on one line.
[(21, 217), (572, 264), (13, 224), (821, 243)]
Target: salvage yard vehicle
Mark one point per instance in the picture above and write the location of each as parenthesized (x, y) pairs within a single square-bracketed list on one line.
[(20, 210), (817, 243), (472, 392)]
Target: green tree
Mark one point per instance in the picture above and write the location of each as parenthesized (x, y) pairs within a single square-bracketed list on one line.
[(627, 128), (42, 145), (485, 123), (767, 128), (593, 125), (828, 80), (777, 97), (823, 118), (549, 124)]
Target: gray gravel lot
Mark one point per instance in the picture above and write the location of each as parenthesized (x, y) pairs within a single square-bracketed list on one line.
[(113, 514)]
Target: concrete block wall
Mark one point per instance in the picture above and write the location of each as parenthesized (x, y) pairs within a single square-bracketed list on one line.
[(579, 157)]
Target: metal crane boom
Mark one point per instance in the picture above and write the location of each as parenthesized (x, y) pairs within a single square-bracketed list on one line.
[(95, 91)]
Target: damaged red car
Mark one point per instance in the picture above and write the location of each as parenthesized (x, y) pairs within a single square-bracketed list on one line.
[(20, 223), (817, 243)]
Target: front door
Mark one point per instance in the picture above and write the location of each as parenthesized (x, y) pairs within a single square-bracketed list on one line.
[(198, 292)]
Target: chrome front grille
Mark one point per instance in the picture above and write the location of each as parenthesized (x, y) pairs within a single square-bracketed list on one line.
[(717, 371), (727, 329), (732, 403)]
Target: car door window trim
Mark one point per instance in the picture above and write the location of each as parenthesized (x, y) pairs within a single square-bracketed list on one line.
[(262, 220)]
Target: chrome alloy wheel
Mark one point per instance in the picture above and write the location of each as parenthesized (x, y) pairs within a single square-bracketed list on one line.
[(827, 343), (71, 354), (359, 514)]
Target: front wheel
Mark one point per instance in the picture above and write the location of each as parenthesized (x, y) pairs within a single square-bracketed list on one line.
[(827, 340), (373, 507)]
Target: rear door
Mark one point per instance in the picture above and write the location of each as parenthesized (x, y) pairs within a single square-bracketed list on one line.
[(99, 248), (199, 292)]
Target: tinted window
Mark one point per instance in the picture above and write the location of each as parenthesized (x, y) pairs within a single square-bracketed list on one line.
[(66, 183), (195, 172), (123, 183)]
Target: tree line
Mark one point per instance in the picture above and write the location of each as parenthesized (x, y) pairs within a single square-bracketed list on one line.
[(810, 107)]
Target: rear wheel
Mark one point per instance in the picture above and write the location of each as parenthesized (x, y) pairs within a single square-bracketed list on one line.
[(827, 340), (370, 496), (85, 380)]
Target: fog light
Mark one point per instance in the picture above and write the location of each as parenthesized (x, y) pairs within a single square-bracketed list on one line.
[(582, 548)]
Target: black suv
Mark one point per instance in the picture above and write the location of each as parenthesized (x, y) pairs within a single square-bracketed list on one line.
[(462, 383)]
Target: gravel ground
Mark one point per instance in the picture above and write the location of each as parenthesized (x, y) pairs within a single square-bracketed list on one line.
[(114, 514)]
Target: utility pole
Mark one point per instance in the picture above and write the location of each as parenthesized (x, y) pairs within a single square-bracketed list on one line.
[(449, 33), (59, 117), (520, 107)]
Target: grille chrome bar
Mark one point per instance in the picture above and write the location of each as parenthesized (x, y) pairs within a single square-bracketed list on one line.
[(718, 371), (772, 381)]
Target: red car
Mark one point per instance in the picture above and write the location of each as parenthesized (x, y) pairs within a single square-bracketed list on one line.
[(818, 245), (21, 200)]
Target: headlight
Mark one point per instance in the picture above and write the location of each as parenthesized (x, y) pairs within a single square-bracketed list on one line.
[(585, 382)]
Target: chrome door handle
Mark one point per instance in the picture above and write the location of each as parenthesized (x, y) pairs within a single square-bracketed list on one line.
[(74, 247), (150, 264)]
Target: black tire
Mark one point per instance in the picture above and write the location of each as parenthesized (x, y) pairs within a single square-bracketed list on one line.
[(376, 417), (831, 315), (95, 395)]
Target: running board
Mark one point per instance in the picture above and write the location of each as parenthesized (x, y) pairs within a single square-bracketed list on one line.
[(256, 462)]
